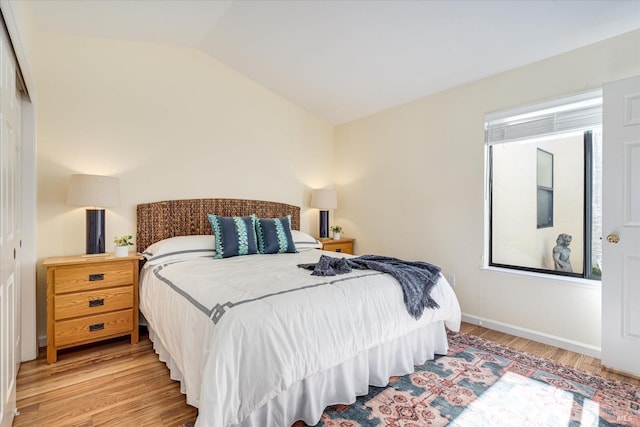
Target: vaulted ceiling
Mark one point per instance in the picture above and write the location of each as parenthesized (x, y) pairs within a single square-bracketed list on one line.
[(342, 60)]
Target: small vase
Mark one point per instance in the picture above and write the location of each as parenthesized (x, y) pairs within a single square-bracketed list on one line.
[(336, 236), (121, 251)]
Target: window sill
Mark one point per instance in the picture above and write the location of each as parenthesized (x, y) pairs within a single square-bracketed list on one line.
[(571, 281)]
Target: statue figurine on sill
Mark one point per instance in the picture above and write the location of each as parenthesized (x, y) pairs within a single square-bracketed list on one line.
[(561, 253)]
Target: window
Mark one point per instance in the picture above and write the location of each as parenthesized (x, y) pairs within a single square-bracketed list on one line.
[(544, 190)]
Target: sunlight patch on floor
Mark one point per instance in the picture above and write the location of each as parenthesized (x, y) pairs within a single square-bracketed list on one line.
[(590, 413), (518, 401)]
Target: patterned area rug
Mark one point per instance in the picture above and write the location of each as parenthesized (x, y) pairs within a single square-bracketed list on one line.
[(482, 384)]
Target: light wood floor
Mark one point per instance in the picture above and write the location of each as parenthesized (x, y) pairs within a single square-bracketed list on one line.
[(115, 383)]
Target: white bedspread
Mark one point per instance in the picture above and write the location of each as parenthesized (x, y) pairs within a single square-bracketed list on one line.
[(242, 330)]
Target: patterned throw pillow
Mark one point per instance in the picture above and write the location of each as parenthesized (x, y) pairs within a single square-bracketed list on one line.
[(274, 235), (234, 235)]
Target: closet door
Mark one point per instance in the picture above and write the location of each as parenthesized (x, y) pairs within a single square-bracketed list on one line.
[(9, 231)]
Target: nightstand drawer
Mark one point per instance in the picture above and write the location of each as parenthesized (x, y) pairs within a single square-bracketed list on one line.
[(346, 248), (344, 245), (93, 302), (80, 278), (88, 329)]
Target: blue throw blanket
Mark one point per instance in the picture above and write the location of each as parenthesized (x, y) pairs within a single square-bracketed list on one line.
[(416, 278)]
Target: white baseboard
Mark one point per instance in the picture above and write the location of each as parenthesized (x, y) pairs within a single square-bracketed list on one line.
[(42, 341), (529, 334)]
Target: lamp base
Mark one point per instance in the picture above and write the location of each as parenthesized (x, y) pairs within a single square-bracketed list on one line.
[(95, 231), (324, 224)]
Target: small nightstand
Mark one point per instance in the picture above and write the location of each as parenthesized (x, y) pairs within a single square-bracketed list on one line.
[(344, 245), (90, 298)]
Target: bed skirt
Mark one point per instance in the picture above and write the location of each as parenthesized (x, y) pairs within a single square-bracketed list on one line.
[(307, 399)]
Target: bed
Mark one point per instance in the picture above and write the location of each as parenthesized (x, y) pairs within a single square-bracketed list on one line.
[(257, 341)]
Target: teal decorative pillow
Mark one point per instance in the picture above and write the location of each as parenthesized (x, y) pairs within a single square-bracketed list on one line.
[(274, 235), (234, 235)]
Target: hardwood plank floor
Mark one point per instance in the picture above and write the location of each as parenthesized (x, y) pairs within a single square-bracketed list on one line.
[(114, 383)]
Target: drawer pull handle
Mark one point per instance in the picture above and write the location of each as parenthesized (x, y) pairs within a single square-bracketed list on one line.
[(96, 327), (338, 250), (96, 302), (96, 277)]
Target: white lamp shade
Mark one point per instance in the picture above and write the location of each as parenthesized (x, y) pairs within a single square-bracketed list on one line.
[(324, 199), (94, 191)]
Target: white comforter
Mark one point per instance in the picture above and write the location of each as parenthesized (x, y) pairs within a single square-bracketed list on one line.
[(241, 330)]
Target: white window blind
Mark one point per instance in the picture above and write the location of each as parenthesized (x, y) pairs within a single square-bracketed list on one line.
[(579, 112)]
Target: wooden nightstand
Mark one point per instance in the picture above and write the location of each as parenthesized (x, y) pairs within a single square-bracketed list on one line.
[(90, 298), (344, 245)]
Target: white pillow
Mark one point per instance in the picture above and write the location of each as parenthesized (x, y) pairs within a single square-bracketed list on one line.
[(304, 242), (180, 248)]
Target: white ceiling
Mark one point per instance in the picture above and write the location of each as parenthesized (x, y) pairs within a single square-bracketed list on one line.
[(342, 60)]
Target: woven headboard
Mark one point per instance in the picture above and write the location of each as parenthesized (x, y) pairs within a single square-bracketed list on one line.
[(161, 220)]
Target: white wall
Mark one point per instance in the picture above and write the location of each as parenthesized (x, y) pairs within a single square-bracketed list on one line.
[(411, 184), (170, 122)]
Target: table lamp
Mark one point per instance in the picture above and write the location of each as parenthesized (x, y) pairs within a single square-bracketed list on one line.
[(324, 200), (95, 192)]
